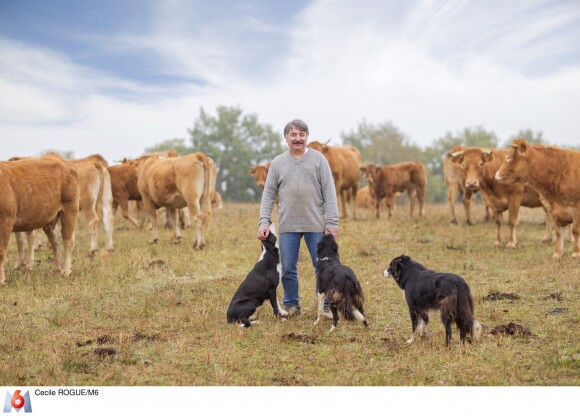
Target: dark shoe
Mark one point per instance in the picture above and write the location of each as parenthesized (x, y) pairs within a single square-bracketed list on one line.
[(292, 310)]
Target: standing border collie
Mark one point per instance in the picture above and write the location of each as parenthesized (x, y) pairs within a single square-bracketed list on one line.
[(260, 284), (338, 284), (427, 289)]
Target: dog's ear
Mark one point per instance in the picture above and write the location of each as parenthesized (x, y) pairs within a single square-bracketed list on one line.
[(396, 266)]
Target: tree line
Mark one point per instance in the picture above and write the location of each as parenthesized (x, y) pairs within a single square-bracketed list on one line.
[(238, 141)]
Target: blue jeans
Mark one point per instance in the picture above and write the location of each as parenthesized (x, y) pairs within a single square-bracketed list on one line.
[(289, 251)]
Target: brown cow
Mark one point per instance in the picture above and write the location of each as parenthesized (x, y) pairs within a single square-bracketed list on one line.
[(366, 200), (455, 183), (36, 192), (344, 163), (387, 181), (555, 174), (124, 188), (178, 182), (216, 201), (96, 196), (479, 167), (260, 172)]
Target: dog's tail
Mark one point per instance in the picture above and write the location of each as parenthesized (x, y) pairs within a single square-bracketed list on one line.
[(459, 306), (347, 297)]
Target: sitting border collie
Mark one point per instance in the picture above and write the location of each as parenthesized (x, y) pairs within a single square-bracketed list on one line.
[(338, 284), (260, 284), (427, 289)]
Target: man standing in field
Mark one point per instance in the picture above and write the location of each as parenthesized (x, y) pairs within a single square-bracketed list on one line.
[(307, 205)]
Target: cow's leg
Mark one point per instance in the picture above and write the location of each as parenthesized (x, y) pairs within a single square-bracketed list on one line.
[(5, 231), (152, 213), (19, 237), (93, 221), (452, 190), (421, 199), (196, 222), (575, 229), (412, 196), (549, 223), (53, 242), (559, 241), (184, 220), (107, 219), (31, 240), (68, 222), (513, 211), (124, 203), (498, 221), (466, 199), (174, 216)]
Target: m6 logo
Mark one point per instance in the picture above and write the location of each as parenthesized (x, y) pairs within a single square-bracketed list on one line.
[(17, 402)]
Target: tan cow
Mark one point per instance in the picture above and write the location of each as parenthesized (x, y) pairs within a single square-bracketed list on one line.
[(366, 200), (478, 167), (96, 197), (178, 182), (37, 192), (387, 181), (344, 163), (216, 201), (124, 189), (455, 183), (260, 172), (555, 174)]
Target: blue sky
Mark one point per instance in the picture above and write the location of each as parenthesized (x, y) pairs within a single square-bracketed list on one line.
[(115, 77)]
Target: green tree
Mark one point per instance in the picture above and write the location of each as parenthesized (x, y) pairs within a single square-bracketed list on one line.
[(171, 144), (382, 144), (235, 142)]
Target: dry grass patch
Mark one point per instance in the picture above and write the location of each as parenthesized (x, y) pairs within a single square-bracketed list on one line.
[(155, 314)]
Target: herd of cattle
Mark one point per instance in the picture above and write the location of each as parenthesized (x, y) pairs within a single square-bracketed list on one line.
[(529, 175), (43, 191)]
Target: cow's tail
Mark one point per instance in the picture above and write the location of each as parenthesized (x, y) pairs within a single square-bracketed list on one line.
[(105, 203), (208, 189)]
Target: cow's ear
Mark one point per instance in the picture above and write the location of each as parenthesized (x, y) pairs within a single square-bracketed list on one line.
[(521, 146), (457, 157), (252, 171), (487, 156), (325, 149)]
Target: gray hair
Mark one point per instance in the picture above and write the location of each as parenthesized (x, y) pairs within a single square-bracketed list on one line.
[(296, 124)]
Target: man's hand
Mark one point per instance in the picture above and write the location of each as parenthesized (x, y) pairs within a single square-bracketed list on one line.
[(263, 233), (333, 231)]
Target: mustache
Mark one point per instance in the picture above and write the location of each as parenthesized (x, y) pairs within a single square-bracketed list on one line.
[(298, 141)]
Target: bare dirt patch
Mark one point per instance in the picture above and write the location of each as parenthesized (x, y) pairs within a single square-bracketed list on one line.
[(304, 339), (501, 296), (511, 329)]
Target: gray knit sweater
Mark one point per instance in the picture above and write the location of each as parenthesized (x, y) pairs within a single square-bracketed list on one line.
[(306, 193)]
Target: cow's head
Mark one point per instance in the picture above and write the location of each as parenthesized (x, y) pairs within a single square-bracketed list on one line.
[(515, 166), (470, 161), (370, 173), (261, 173)]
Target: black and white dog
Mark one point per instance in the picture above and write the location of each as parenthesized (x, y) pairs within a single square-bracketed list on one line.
[(260, 284), (427, 289), (338, 284)]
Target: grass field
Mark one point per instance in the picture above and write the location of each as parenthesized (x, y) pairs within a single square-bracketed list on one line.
[(155, 314)]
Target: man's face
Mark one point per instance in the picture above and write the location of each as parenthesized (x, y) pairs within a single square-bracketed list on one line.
[(296, 140)]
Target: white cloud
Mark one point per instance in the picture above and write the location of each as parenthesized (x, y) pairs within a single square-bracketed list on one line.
[(432, 68)]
